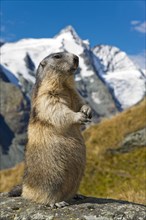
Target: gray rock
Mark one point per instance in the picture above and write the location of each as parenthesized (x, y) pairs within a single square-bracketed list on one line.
[(130, 142), (87, 209), (13, 119), (137, 138), (94, 90)]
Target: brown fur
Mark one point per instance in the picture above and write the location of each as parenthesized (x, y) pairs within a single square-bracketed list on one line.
[(55, 152)]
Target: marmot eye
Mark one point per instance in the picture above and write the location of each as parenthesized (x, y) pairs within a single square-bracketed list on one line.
[(57, 56)]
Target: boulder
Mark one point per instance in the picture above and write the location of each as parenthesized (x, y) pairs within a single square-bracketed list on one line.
[(132, 141)]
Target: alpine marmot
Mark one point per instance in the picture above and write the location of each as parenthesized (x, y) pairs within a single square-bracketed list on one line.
[(55, 153)]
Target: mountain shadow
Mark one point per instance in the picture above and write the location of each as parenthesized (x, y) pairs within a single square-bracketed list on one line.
[(6, 135)]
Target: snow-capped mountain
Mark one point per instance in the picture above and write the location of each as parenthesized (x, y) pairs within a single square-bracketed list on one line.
[(121, 75), (106, 78)]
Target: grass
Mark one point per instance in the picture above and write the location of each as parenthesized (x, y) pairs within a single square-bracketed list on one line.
[(119, 176), (11, 177), (116, 176), (110, 132)]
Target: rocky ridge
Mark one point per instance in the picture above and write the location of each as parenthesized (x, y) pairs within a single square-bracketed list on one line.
[(87, 209)]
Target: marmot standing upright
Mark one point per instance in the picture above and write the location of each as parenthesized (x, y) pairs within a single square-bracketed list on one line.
[(55, 153)]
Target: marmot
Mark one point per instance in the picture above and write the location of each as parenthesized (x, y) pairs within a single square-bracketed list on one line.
[(55, 153)]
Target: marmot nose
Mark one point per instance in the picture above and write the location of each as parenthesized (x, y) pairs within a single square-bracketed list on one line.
[(76, 60)]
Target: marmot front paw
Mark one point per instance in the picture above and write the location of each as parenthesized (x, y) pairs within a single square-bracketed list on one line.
[(81, 118), (87, 111)]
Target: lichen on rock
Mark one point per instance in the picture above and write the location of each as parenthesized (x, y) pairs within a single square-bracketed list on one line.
[(87, 209)]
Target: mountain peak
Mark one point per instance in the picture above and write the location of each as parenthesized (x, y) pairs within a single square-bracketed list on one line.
[(68, 28), (112, 58), (71, 30), (101, 67)]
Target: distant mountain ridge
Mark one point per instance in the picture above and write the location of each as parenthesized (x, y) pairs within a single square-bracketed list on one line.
[(119, 72), (111, 67)]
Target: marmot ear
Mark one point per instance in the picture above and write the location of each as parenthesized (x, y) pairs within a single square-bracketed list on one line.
[(40, 73), (43, 63)]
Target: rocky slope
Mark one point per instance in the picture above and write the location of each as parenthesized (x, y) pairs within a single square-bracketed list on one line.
[(13, 122), (87, 209)]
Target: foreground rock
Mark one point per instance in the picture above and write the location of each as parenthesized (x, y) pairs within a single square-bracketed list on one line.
[(86, 209)]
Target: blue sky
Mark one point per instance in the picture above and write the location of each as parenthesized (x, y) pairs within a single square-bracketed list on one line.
[(118, 23)]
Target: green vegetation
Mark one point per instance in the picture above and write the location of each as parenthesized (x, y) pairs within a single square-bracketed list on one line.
[(121, 175), (116, 176)]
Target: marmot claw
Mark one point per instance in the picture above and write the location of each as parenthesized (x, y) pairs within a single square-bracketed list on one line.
[(86, 110), (59, 204), (81, 118)]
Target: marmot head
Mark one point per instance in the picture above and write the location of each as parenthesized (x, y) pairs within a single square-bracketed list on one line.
[(60, 64)]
